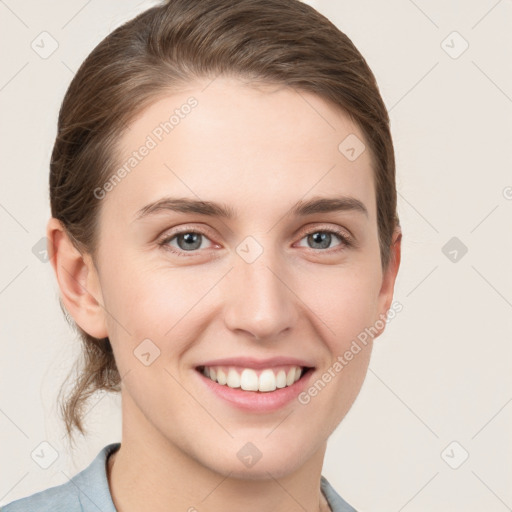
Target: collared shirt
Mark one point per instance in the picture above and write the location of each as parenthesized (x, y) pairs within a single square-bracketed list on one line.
[(88, 491)]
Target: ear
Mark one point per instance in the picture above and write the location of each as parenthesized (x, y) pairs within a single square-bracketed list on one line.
[(389, 277), (78, 281)]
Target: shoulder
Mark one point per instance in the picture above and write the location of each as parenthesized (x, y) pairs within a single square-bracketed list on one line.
[(336, 502), (58, 499), (88, 490)]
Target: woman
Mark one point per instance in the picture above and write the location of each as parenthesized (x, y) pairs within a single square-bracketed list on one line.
[(223, 232)]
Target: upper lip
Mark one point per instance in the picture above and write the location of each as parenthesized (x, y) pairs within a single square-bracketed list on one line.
[(251, 362)]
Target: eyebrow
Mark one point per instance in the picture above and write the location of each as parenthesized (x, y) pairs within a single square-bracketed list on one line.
[(211, 209)]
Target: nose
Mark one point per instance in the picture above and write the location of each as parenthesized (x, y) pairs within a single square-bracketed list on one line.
[(260, 302)]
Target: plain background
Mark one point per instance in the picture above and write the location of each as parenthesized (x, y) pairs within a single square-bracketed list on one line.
[(439, 387)]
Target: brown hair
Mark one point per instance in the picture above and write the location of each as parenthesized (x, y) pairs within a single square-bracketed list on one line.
[(164, 48)]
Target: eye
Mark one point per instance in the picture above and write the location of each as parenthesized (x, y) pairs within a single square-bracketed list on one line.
[(187, 240), (191, 240), (322, 238)]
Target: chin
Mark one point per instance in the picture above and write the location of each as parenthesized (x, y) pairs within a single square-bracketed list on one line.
[(264, 464), (260, 471)]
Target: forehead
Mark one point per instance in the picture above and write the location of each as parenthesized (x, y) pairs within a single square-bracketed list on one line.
[(255, 148)]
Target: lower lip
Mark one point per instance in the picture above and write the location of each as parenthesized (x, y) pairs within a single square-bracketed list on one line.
[(257, 401)]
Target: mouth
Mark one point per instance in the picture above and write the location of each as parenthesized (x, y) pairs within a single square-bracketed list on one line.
[(256, 381)]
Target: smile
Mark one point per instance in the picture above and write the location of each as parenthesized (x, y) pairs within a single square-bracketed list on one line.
[(249, 379)]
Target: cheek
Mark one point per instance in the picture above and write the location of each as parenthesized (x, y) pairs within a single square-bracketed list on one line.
[(161, 302), (344, 300), (155, 302), (346, 307), (172, 305)]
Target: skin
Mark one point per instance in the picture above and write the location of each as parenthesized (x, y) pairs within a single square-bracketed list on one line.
[(258, 150)]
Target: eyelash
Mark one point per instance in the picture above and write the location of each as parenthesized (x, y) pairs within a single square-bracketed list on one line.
[(346, 240)]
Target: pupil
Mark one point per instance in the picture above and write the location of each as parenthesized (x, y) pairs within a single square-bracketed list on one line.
[(322, 238), (190, 238)]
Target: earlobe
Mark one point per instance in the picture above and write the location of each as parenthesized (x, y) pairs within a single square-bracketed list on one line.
[(78, 281)]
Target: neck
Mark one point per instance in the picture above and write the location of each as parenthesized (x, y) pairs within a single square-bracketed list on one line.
[(149, 473)]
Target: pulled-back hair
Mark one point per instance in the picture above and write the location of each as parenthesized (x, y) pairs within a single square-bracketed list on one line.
[(161, 51)]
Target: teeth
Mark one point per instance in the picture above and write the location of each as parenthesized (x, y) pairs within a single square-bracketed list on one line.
[(281, 379), (233, 378), (267, 381), (221, 377), (249, 380)]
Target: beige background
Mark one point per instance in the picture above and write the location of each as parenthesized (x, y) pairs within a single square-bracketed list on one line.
[(442, 370)]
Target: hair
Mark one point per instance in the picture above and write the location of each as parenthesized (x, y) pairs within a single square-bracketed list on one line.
[(283, 42)]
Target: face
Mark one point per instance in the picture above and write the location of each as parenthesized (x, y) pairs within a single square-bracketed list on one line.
[(253, 294)]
